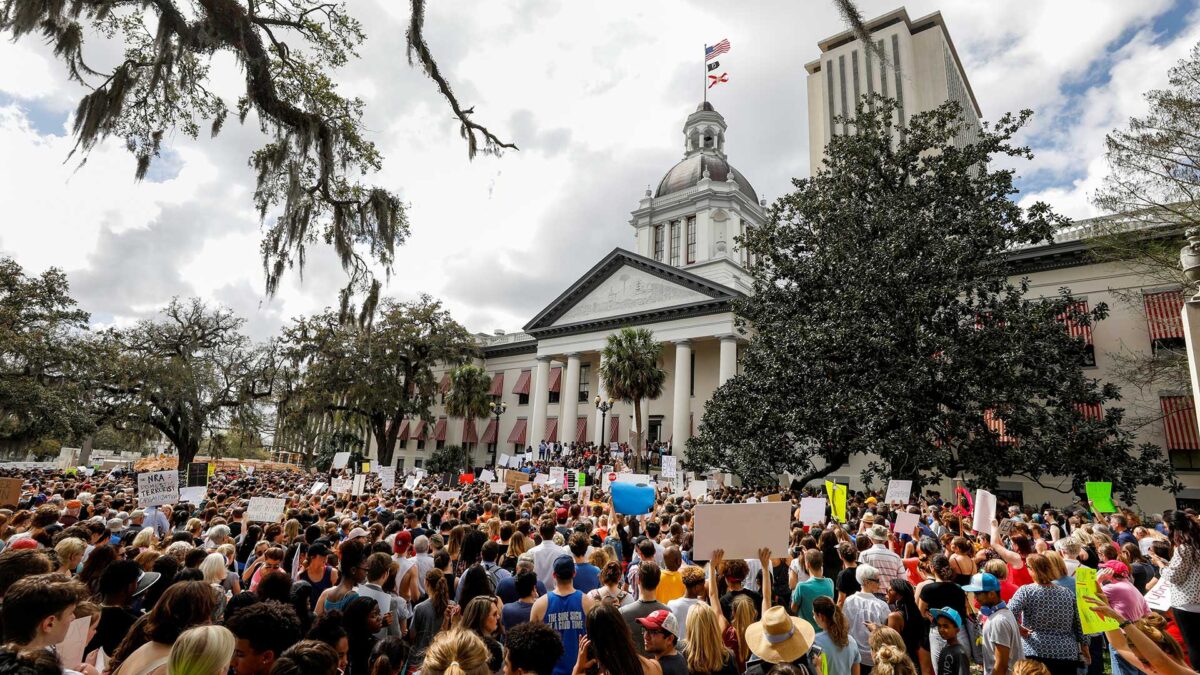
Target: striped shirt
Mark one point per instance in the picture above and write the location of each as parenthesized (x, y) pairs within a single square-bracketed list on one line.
[(888, 563)]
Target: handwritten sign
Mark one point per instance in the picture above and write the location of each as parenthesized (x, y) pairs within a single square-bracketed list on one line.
[(447, 495), (156, 488), (526, 488), (1159, 597), (668, 466), (410, 482), (265, 509), (1085, 587), (341, 485), (387, 477), (515, 478), (317, 488), (359, 485), (10, 491), (498, 488), (898, 491)]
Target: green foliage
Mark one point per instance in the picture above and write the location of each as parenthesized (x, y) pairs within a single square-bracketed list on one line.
[(377, 374), (452, 459), (470, 393), (309, 173), (330, 445), (630, 371), (884, 325), (44, 358)]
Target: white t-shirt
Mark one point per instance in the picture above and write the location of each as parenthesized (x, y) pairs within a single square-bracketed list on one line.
[(751, 582), (1001, 628), (680, 608), (797, 568)]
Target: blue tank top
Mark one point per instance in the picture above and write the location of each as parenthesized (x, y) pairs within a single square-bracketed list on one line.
[(565, 615)]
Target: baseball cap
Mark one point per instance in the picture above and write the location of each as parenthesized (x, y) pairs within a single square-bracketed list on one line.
[(23, 543), (402, 542), (356, 533), (1118, 568), (564, 567), (948, 613), (982, 583), (661, 619), (561, 513)]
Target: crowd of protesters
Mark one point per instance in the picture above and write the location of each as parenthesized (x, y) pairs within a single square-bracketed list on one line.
[(535, 582)]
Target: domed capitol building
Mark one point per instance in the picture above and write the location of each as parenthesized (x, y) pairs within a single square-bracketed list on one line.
[(684, 269)]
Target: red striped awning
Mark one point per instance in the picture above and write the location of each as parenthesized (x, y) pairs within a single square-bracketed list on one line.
[(403, 432), (518, 432), (522, 385), (489, 432), (552, 429), (439, 430), (555, 379), (581, 430), (1163, 314), (997, 426), (497, 385), (1074, 328), (418, 431), (469, 434), (444, 385), (614, 428), (1090, 411), (1179, 423)]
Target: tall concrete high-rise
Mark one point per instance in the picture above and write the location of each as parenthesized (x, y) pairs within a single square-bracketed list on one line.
[(919, 68)]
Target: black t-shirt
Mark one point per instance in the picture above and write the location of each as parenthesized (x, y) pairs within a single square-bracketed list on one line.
[(728, 598), (953, 660), (115, 623), (939, 594), (674, 664), (847, 583)]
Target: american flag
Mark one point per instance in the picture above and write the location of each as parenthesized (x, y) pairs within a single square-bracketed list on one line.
[(716, 50)]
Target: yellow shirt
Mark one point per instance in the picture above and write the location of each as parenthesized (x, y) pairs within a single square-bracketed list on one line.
[(670, 586)]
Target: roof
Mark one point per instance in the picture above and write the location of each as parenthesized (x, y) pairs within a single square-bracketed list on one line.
[(687, 172)]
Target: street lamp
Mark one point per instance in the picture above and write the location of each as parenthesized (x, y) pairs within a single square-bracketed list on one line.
[(603, 407), (497, 407)]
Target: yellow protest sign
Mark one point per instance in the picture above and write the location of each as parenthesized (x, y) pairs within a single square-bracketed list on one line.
[(837, 500), (1085, 587)]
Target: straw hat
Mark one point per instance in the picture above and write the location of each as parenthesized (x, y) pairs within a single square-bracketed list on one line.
[(780, 638)]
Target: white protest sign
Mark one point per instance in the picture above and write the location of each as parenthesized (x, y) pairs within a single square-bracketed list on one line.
[(526, 488), (898, 491), (192, 495), (317, 488), (503, 460), (387, 477), (70, 650), (634, 478), (585, 494), (447, 495), (515, 461), (498, 488), (985, 511), (249, 470), (341, 485), (529, 457), (698, 488), (265, 509), (812, 510), (156, 488), (724, 526), (1159, 597), (410, 482), (540, 479), (359, 485), (557, 475), (906, 522), (340, 460), (668, 466), (487, 476), (751, 500)]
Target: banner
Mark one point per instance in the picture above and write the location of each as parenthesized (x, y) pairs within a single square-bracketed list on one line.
[(156, 488), (837, 500), (265, 509)]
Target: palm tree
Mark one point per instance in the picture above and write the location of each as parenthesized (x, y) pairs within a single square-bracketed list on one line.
[(630, 372), (469, 396)]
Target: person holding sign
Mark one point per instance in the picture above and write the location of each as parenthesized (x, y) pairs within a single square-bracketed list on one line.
[(1053, 633), (1183, 575)]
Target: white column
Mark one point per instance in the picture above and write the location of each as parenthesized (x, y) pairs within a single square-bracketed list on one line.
[(568, 400), (602, 392), (728, 366), (541, 400), (1191, 331), (682, 403)]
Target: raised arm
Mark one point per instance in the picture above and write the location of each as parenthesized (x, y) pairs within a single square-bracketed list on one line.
[(764, 559), (1009, 557), (714, 598)]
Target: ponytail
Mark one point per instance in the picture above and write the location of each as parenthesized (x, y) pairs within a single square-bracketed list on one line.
[(439, 593), (835, 621)]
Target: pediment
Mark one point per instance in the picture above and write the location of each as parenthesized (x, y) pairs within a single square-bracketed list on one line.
[(628, 286)]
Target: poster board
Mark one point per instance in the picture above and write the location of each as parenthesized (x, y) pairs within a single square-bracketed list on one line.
[(1159, 597), (156, 488), (906, 523), (498, 488), (1100, 495), (193, 494), (359, 486), (410, 482), (317, 488), (724, 526), (340, 460), (812, 510), (1085, 587), (515, 478), (197, 474), (265, 509), (487, 476), (503, 460), (898, 491), (340, 485), (387, 477), (10, 491), (447, 495), (985, 512), (70, 650), (698, 488), (668, 466), (514, 462), (634, 478)]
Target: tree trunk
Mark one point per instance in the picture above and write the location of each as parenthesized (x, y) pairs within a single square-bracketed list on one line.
[(187, 453), (637, 434), (833, 465), (85, 452)]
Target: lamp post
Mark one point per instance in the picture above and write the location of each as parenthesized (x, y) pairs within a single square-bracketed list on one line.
[(1189, 259), (603, 407), (497, 407)]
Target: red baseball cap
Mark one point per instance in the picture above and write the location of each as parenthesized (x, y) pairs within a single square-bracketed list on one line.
[(661, 619), (403, 541), (23, 543)]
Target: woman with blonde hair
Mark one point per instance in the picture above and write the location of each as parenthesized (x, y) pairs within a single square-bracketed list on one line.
[(145, 539), (891, 657), (517, 545), (456, 652), (705, 653), (214, 571), (69, 553), (204, 650)]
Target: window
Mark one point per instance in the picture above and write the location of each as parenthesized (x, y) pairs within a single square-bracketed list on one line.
[(469, 447), (491, 448), (693, 377), (522, 399), (585, 373), (658, 243), (1186, 460), (1164, 322), (420, 443), (1179, 430), (438, 445), (418, 463), (554, 397), (691, 239), (400, 465), (674, 242)]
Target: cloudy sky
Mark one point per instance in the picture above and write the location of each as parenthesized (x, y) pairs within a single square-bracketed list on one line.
[(593, 93)]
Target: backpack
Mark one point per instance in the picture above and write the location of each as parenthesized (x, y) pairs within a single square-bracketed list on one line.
[(493, 575), (614, 600)]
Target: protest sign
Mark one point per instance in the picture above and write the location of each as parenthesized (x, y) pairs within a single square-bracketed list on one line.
[(1100, 495), (366, 467), (360, 484), (725, 526), (1005, 528), (447, 495), (317, 488), (410, 482), (1085, 587), (340, 460), (503, 460), (249, 470), (585, 494), (541, 479), (633, 478), (498, 488), (70, 650), (487, 476), (466, 478), (985, 512), (812, 510), (197, 474), (387, 477), (515, 461), (514, 478), (265, 509), (898, 491), (698, 488), (557, 476), (10, 491), (156, 488), (668, 466), (837, 500), (1159, 597), (526, 488), (773, 498), (192, 494), (340, 485), (633, 499), (906, 523)]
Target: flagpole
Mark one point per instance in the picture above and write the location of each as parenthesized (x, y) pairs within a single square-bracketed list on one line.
[(704, 75)]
